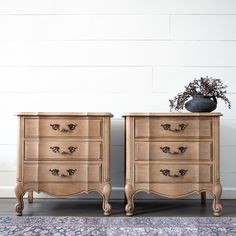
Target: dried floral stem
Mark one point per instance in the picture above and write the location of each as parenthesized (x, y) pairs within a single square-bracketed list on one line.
[(206, 86)]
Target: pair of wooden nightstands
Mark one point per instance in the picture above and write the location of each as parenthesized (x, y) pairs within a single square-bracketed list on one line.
[(170, 154)]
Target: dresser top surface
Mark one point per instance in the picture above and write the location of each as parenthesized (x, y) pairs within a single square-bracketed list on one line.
[(173, 114), (64, 114)]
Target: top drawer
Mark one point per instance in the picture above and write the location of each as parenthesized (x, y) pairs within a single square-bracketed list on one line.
[(63, 127), (159, 127)]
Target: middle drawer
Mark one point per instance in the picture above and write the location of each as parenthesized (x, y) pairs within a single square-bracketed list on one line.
[(62, 150), (173, 151)]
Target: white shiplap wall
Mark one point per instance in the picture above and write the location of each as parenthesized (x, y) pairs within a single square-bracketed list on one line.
[(112, 55)]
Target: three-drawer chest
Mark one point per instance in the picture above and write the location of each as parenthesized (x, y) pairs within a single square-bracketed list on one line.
[(172, 155), (63, 154)]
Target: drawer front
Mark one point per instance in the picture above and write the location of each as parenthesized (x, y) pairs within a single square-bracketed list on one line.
[(59, 172), (62, 150), (157, 127), (69, 127), (169, 173), (145, 151)]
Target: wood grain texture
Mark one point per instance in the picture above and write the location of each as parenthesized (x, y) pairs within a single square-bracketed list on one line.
[(63, 160), (43, 173), (63, 150), (58, 127), (160, 167), (118, 7), (176, 151), (151, 173), (155, 127)]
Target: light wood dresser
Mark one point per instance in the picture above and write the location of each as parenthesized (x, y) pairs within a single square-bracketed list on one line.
[(172, 155), (63, 154)]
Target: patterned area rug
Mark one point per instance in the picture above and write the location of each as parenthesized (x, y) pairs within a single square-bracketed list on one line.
[(43, 225)]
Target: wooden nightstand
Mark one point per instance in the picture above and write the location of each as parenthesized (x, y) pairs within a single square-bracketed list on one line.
[(172, 155), (63, 154)]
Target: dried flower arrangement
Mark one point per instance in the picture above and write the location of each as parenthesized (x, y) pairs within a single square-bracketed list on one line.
[(206, 86)]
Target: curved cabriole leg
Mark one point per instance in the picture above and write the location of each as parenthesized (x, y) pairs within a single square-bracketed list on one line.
[(106, 194), (216, 206), (129, 208), (19, 197), (30, 196)]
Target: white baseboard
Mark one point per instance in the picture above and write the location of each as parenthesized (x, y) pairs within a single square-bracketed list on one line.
[(7, 192), (117, 193)]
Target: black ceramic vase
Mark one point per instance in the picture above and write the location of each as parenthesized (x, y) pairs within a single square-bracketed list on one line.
[(200, 103)]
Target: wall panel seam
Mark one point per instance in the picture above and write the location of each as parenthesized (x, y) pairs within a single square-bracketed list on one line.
[(118, 14), (85, 14), (124, 40), (79, 66)]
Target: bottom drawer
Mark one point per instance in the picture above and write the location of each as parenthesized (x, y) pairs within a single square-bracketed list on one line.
[(58, 172), (169, 173)]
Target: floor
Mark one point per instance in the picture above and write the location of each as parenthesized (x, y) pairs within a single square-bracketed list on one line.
[(81, 207)]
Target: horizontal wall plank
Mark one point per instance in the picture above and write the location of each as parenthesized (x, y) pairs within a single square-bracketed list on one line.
[(8, 179), (181, 76), (109, 53), (117, 7), (7, 192), (228, 160), (10, 128), (8, 157), (223, 108), (203, 27), (228, 131), (228, 179), (76, 79), (84, 27)]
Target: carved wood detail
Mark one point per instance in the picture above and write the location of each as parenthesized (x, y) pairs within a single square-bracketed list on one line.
[(153, 165), (44, 166)]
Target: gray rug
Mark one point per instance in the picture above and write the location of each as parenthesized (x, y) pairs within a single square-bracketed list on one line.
[(132, 226)]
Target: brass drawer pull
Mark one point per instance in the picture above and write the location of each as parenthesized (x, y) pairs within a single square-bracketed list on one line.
[(181, 127), (166, 172), (70, 126), (167, 150), (56, 172), (56, 149)]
